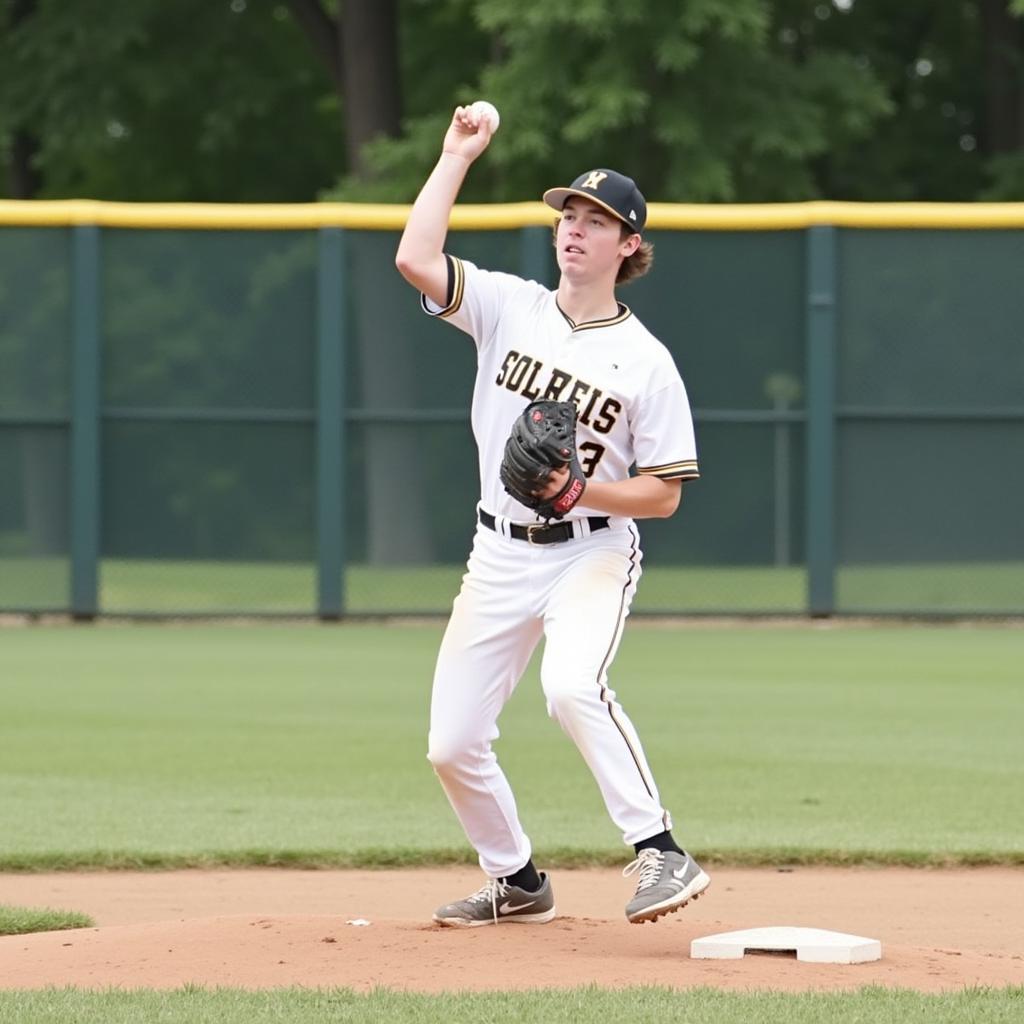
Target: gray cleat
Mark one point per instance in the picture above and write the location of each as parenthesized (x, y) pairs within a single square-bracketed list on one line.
[(497, 902), (667, 882)]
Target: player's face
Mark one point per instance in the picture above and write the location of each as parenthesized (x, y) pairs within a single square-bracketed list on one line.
[(589, 241)]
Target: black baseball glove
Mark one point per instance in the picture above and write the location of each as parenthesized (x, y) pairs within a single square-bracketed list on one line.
[(543, 438)]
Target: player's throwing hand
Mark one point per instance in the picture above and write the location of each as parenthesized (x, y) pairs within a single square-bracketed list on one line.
[(469, 134)]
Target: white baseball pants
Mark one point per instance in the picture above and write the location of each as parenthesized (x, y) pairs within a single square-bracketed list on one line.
[(577, 595)]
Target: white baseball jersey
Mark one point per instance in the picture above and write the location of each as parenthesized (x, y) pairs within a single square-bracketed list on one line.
[(633, 407)]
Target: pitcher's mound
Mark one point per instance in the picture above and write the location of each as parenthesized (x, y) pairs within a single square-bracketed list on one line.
[(258, 929)]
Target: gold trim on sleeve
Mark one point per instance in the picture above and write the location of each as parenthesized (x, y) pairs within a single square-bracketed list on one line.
[(458, 290), (685, 470)]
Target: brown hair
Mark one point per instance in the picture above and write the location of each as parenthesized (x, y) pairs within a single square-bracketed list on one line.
[(631, 267), (639, 263)]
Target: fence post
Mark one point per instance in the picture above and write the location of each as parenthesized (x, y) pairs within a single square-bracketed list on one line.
[(85, 420), (822, 330), (330, 423)]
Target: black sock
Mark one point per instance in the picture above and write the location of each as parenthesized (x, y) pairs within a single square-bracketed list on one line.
[(662, 841), (526, 878)]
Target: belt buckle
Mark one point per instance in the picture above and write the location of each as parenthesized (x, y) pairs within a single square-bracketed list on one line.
[(530, 530)]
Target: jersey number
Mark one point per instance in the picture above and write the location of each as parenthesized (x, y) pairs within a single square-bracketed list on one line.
[(589, 461)]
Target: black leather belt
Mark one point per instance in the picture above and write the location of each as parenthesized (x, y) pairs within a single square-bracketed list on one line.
[(540, 533)]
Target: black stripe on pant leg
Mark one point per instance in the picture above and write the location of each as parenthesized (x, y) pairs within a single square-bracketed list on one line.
[(604, 664)]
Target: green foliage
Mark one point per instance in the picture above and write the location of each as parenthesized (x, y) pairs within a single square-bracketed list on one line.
[(929, 57), (35, 300), (700, 100), (1006, 173), (139, 99), (706, 100), (212, 320)]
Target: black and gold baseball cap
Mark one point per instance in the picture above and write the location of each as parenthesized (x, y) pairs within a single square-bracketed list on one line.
[(615, 192)]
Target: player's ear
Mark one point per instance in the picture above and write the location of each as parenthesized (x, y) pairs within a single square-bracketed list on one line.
[(630, 245)]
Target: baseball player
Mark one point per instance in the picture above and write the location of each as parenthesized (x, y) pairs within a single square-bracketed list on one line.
[(570, 581)]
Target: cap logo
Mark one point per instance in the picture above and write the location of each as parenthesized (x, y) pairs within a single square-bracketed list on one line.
[(594, 179), (632, 214)]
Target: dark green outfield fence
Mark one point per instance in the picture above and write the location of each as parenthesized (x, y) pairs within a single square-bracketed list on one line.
[(242, 410)]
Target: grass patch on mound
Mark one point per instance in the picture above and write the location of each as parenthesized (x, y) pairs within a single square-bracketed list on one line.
[(25, 920)]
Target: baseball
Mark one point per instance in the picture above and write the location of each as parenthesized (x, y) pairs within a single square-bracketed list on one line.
[(488, 110)]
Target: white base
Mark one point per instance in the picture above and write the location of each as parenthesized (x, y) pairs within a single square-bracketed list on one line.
[(812, 945)]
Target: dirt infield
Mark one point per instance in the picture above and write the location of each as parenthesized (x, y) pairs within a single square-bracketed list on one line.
[(939, 930)]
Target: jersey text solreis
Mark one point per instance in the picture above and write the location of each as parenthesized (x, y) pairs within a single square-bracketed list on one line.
[(525, 375)]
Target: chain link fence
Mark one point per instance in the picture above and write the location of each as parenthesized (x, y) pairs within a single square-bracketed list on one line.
[(223, 421)]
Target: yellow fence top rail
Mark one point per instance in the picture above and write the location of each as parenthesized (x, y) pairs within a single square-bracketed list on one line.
[(467, 217)]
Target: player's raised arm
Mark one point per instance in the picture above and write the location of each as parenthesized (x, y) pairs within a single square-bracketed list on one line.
[(420, 257)]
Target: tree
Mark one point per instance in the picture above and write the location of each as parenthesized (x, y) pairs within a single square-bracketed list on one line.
[(946, 70), (707, 100), (740, 101), (1004, 65), (22, 143), (703, 101), (358, 47), (143, 100)]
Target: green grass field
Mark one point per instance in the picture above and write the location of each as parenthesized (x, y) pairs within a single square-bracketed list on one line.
[(163, 587), (163, 745), (303, 744), (635, 1005)]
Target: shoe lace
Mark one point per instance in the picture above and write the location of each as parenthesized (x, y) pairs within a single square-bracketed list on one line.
[(490, 892), (649, 863)]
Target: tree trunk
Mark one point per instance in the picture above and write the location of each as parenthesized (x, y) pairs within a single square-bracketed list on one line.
[(397, 527), (360, 50), (45, 469), (45, 494), (23, 178), (396, 521), (321, 32), (370, 77), (1004, 78)]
